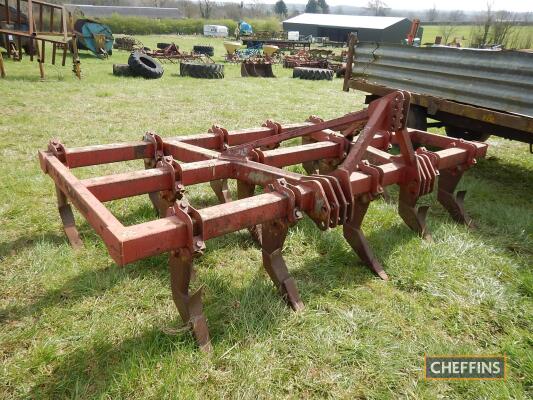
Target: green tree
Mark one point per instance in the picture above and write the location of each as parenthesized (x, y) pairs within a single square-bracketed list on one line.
[(312, 7), (324, 6), (280, 8)]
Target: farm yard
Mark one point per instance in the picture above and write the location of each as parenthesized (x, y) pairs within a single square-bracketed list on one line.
[(74, 325)]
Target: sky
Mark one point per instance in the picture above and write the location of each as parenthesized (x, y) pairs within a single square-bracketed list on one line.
[(465, 5)]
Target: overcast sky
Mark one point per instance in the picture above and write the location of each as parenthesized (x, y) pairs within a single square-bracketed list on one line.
[(510, 5)]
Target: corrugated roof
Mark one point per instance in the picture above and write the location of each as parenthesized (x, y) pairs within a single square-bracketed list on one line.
[(344, 21)]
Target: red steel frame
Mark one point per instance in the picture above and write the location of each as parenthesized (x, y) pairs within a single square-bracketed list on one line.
[(348, 166)]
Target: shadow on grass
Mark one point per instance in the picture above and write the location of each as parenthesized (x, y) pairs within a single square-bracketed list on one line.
[(11, 248)]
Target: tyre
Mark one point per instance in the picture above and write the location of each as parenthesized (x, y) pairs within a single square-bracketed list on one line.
[(207, 50), (200, 70), (417, 118), (316, 74), (163, 46), (145, 66), (462, 133), (121, 70), (297, 72)]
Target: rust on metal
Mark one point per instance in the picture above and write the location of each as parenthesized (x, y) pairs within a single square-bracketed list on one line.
[(348, 166)]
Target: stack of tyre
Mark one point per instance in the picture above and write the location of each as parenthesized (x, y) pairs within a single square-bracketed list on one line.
[(202, 70), (315, 74), (139, 64)]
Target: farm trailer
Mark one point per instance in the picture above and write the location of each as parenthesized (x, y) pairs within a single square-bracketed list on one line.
[(472, 93), (346, 160)]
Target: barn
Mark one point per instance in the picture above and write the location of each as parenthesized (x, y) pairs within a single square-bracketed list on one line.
[(338, 27)]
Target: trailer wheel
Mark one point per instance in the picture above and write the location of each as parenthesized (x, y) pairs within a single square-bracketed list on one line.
[(145, 66), (465, 134), (417, 118)]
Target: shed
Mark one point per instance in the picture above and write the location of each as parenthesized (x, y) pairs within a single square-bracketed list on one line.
[(338, 27)]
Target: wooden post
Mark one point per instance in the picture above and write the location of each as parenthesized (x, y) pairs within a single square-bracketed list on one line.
[(39, 59), (2, 69), (352, 41)]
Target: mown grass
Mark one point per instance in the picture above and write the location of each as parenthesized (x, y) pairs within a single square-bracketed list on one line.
[(74, 325)]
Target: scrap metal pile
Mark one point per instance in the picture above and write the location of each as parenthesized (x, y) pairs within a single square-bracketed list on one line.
[(348, 165)]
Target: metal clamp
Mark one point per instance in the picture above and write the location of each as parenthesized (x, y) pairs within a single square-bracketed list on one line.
[(469, 147), (156, 140), (178, 189), (187, 214), (58, 150), (281, 186), (222, 136), (276, 130), (376, 177)]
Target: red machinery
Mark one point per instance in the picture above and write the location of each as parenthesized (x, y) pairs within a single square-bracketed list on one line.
[(348, 166)]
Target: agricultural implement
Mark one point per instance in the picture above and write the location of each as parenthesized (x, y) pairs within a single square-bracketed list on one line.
[(94, 36), (348, 166), (257, 68), (172, 52)]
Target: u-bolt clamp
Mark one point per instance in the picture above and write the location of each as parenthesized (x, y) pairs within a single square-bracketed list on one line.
[(281, 186), (189, 215), (177, 190), (58, 150), (376, 177), (156, 140), (276, 130), (222, 136), (470, 148)]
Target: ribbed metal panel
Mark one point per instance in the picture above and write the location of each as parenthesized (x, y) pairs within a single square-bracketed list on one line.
[(500, 80)]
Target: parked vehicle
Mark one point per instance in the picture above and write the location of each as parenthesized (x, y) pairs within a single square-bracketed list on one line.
[(472, 93), (216, 30)]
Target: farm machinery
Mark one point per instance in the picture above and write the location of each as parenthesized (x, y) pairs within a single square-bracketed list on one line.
[(315, 58), (255, 62), (348, 165), (172, 52)]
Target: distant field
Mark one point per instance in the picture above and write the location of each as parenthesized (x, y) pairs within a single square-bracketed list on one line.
[(465, 31), (73, 325)]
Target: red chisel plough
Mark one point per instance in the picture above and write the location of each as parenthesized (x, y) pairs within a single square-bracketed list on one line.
[(348, 166)]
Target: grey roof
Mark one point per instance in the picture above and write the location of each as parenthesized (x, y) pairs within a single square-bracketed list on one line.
[(344, 21), (106, 11)]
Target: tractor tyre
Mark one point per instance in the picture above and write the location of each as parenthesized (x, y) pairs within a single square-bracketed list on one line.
[(145, 66), (201, 70), (121, 70), (207, 50)]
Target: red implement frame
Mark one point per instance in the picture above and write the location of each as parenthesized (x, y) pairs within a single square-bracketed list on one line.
[(348, 166)]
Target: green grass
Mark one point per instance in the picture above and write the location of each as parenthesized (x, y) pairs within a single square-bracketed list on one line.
[(74, 325), (465, 32)]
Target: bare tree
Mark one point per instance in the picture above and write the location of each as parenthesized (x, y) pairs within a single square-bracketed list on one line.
[(450, 28), (432, 14), (206, 8), (504, 24), (377, 7), (187, 8), (480, 31)]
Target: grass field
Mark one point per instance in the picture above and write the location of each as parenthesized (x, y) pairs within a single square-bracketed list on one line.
[(74, 325), (465, 32)]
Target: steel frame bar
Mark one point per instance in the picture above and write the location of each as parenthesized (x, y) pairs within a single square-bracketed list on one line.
[(353, 168)]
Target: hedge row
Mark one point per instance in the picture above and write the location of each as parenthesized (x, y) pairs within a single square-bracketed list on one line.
[(149, 26)]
